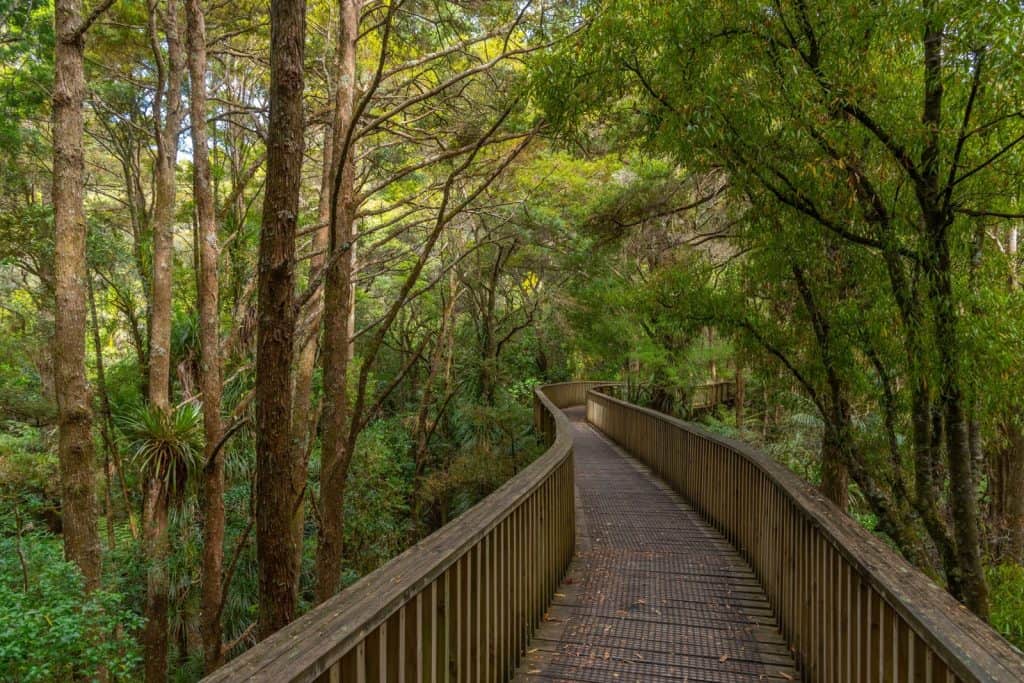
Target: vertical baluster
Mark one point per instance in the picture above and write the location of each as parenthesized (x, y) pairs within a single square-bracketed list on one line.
[(476, 592), (921, 659), (412, 643), (501, 593)]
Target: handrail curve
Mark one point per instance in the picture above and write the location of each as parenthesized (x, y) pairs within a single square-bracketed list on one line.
[(850, 607), (462, 603)]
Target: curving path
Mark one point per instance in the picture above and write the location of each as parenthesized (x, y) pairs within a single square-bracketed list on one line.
[(654, 593)]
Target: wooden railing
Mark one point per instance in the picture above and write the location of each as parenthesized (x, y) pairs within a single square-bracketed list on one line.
[(677, 400), (712, 394), (458, 606), (850, 608)]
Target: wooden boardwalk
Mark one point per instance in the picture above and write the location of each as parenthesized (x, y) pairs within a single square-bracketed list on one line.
[(654, 593)]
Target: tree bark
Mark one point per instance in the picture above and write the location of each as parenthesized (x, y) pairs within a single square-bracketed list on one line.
[(488, 338), (155, 525), (936, 219), (304, 413), (835, 481), (167, 107), (276, 493), (835, 413), (74, 414), (970, 571), (210, 382), (111, 461), (338, 309)]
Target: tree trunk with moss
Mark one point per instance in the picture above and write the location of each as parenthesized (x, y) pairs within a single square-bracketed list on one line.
[(338, 317), (74, 412), (276, 493)]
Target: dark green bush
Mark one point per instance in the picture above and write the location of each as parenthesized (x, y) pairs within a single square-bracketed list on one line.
[(50, 629)]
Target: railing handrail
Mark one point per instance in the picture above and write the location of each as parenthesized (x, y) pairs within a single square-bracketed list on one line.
[(970, 647), (317, 640)]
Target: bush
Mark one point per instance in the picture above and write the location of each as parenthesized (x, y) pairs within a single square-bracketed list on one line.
[(54, 631), (1006, 584), (27, 458)]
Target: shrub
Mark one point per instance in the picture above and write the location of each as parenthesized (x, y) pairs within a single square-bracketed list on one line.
[(1006, 584), (54, 630)]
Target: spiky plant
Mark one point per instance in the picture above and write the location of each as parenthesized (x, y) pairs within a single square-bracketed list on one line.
[(168, 445)]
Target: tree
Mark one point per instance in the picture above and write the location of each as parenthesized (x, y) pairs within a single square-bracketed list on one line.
[(378, 121), (277, 495), (808, 105), (210, 382), (78, 488)]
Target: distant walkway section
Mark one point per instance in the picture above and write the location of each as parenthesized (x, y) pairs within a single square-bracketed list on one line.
[(654, 593)]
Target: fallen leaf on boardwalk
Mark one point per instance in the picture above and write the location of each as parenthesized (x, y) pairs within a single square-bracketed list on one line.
[(531, 651), (559, 595), (533, 671), (787, 676), (607, 654), (723, 658)]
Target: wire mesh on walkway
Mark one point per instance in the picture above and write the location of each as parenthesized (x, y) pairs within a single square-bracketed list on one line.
[(654, 594)]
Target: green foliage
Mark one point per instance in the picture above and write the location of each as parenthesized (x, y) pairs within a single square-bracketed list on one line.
[(26, 49), (579, 261), (166, 444), (24, 345), (377, 505), (52, 630), (27, 458), (1006, 582), (489, 444)]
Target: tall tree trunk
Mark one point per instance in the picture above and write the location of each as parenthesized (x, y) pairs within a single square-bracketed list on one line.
[(834, 475), (964, 502), (74, 415), (168, 108), (1014, 491), (111, 462), (489, 342), (155, 525), (835, 481), (210, 382), (276, 493), (963, 494), (338, 310), (304, 414), (970, 574), (936, 218)]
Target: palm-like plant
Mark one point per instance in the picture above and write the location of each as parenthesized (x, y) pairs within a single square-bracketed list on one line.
[(166, 445)]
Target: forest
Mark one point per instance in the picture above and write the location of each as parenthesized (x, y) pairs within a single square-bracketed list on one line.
[(278, 279)]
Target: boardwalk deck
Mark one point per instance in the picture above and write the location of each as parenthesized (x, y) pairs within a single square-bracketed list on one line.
[(654, 593)]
